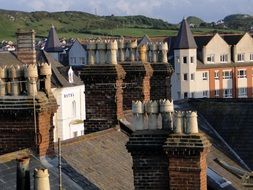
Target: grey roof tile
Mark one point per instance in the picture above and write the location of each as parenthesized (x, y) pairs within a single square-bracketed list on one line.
[(185, 38), (53, 42)]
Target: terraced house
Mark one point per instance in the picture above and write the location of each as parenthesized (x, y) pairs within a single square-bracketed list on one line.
[(213, 66)]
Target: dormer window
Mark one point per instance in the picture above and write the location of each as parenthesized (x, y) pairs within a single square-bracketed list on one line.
[(210, 58), (240, 57)]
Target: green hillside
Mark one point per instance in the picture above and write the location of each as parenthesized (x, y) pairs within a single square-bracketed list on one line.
[(196, 21), (81, 25), (239, 21)]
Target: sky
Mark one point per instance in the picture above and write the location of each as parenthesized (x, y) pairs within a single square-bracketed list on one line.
[(169, 10)]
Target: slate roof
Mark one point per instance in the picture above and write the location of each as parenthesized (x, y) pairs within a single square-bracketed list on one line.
[(59, 72), (232, 39), (53, 42), (185, 38), (102, 158), (8, 172), (8, 58)]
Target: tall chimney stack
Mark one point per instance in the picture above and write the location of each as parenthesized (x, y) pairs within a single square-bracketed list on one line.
[(26, 46)]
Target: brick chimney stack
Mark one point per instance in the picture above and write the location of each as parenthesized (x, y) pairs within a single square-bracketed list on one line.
[(163, 159), (26, 46), (186, 151)]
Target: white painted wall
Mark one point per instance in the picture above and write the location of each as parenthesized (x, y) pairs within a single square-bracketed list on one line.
[(77, 53), (179, 85), (69, 118)]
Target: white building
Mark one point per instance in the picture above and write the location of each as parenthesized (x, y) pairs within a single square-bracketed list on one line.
[(68, 90), (212, 66)]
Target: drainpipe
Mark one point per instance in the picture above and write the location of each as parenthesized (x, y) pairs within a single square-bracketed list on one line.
[(23, 174), (41, 179)]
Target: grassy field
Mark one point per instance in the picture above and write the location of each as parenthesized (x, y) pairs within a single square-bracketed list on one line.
[(83, 25)]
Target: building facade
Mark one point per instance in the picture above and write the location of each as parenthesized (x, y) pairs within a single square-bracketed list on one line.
[(218, 66)]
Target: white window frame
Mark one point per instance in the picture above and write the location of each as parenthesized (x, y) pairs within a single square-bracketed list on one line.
[(251, 57), (227, 74), (205, 93), (210, 58), (227, 93), (242, 92), (240, 57), (205, 75), (224, 58), (216, 75), (241, 73), (217, 93)]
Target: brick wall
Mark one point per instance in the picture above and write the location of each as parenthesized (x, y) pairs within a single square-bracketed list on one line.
[(150, 166), (188, 171), (137, 83), (45, 134), (160, 81), (16, 130), (187, 161), (104, 99)]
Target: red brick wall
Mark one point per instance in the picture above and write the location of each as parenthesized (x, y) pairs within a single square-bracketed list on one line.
[(45, 135), (16, 131), (160, 86), (104, 96), (188, 172)]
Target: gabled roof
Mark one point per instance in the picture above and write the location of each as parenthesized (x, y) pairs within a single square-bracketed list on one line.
[(232, 39), (59, 77), (144, 40), (185, 38), (202, 40), (53, 42)]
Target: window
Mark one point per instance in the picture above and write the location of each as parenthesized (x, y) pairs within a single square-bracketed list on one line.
[(193, 94), (73, 60), (192, 76), (251, 57), (227, 74), (205, 94), (185, 76), (186, 95), (192, 59), (241, 73), (184, 59), (75, 134), (74, 108), (210, 58), (204, 76), (240, 57), (224, 58), (216, 75), (242, 92), (216, 93), (82, 60), (227, 93)]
